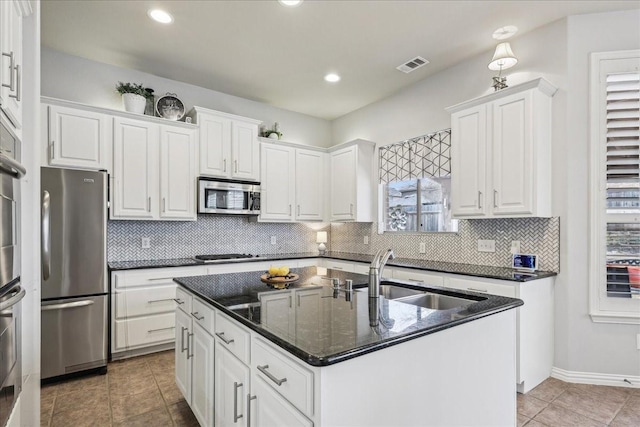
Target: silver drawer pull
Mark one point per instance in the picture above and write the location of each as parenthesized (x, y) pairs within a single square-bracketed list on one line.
[(335, 268), (160, 278), (236, 386), (196, 316), (416, 280), (478, 290), (161, 329), (160, 300), (221, 336), (178, 301), (264, 368)]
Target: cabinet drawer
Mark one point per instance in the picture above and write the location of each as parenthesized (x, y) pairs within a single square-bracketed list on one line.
[(274, 367), (418, 277), (144, 331), (144, 301), (234, 337), (360, 268), (340, 265), (485, 287), (203, 315), (183, 299), (154, 277)]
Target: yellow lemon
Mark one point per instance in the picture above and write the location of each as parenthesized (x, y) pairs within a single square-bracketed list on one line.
[(274, 271), (284, 270)]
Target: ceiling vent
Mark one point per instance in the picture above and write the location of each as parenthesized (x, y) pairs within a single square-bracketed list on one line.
[(412, 65)]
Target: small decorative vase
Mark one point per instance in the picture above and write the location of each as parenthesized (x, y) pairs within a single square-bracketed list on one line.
[(273, 136), (134, 103)]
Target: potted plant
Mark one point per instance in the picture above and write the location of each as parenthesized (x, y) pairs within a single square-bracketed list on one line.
[(134, 96), (273, 133)]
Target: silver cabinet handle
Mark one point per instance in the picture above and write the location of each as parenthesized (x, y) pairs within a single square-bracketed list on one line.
[(15, 298), (12, 167), (224, 340), (289, 301), (62, 306), (236, 386), (298, 300), (235, 162), (478, 290), (12, 61), (160, 300), (495, 196), (479, 199), (351, 209), (224, 165), (160, 278), (46, 235), (335, 268), (164, 204), (298, 210), (17, 95), (195, 315), (160, 329), (289, 210), (416, 280), (264, 368), (249, 399), (149, 204), (52, 151), (189, 335), (178, 301), (182, 349)]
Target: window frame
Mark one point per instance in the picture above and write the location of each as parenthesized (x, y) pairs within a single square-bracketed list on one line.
[(604, 309)]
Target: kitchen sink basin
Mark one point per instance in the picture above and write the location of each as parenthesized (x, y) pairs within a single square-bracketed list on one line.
[(436, 301), (394, 292)]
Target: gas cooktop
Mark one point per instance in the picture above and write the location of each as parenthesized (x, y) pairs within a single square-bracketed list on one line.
[(224, 257)]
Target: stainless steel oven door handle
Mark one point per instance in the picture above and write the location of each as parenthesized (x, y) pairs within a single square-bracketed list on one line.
[(11, 166), (62, 306), (15, 298), (46, 235)]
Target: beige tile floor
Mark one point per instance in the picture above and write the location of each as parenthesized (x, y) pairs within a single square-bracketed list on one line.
[(136, 392), (142, 392)]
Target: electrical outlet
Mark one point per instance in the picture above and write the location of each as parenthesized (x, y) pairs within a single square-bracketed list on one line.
[(273, 240), (515, 247), (422, 248), (146, 243), (486, 245), (366, 240)]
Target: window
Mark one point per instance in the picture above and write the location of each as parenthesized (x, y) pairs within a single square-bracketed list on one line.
[(415, 177), (615, 179)]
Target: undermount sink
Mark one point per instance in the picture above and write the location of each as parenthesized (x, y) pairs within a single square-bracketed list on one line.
[(394, 292), (436, 301)]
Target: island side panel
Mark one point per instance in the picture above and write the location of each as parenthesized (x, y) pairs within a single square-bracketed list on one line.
[(465, 375)]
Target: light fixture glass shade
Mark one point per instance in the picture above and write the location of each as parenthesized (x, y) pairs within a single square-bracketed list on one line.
[(321, 237), (503, 58)]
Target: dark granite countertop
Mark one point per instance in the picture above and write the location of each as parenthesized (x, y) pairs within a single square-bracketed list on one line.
[(330, 328), (489, 272)]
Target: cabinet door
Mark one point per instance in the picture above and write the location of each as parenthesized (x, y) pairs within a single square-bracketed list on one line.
[(215, 145), (276, 312), (268, 408), (468, 162), (183, 353), (343, 184), (177, 173), (135, 169), (11, 75), (231, 389), (309, 185), (203, 380), (512, 167), (78, 138), (277, 185), (245, 151)]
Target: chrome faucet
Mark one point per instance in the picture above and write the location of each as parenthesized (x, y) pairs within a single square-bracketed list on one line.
[(375, 271)]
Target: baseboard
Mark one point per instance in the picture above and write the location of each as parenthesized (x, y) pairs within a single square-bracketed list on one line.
[(595, 378)]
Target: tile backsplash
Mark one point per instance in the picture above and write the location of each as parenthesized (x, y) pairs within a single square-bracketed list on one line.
[(536, 235)]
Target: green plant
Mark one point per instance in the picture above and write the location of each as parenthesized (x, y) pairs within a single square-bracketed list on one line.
[(135, 88), (276, 130)]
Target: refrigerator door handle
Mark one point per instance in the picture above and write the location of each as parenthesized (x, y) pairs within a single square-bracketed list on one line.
[(46, 235), (74, 304)]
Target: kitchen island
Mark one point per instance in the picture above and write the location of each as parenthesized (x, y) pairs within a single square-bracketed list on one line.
[(307, 355)]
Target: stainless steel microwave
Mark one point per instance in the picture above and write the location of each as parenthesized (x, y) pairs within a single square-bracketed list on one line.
[(228, 197)]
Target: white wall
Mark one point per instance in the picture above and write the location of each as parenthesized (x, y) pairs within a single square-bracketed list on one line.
[(89, 82), (559, 53)]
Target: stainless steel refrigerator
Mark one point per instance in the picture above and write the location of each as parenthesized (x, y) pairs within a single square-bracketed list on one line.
[(74, 271)]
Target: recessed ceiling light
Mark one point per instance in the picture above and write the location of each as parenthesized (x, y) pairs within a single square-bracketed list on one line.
[(160, 16), (332, 78), (504, 33), (290, 3)]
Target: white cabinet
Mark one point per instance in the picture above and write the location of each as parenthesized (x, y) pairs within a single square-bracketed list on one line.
[(352, 181), (202, 380), (276, 311), (153, 170), (417, 276), (501, 153), (11, 14), (291, 183), (231, 388), (228, 145), (77, 138), (183, 339), (267, 408)]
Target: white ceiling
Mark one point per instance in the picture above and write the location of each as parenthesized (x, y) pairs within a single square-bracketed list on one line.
[(269, 53)]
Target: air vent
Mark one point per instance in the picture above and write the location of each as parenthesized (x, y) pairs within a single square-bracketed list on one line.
[(412, 65)]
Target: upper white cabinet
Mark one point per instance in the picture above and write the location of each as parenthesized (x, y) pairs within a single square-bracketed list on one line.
[(291, 183), (501, 153), (11, 14), (77, 138), (154, 171), (229, 145), (351, 181)]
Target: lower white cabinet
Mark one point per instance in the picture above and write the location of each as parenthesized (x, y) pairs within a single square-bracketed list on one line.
[(231, 388), (267, 408), (202, 380), (183, 364)]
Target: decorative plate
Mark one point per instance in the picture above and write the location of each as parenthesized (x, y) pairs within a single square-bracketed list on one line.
[(279, 282), (169, 107)]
